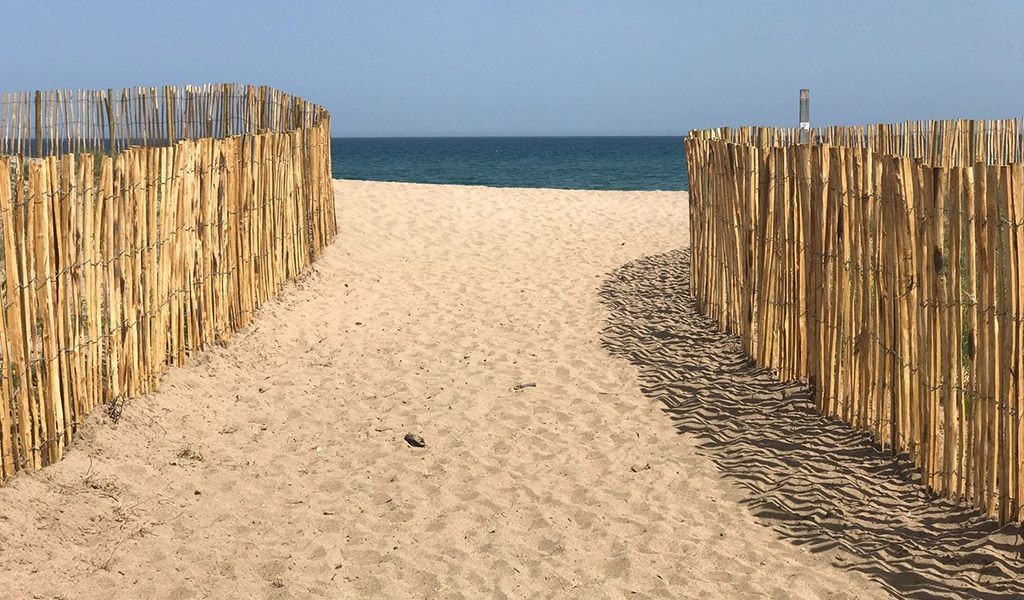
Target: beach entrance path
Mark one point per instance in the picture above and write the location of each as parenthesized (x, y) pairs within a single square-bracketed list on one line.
[(275, 466)]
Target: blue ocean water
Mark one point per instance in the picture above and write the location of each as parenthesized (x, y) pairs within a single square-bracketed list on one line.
[(590, 163)]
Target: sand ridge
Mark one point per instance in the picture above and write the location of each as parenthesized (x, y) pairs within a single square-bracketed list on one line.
[(274, 466)]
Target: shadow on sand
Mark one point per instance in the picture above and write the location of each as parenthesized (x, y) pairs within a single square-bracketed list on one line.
[(817, 482)]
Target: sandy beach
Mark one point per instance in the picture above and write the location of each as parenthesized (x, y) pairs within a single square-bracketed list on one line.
[(275, 466)]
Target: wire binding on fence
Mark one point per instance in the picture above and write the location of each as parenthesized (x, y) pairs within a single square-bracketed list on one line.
[(883, 265), (139, 226)]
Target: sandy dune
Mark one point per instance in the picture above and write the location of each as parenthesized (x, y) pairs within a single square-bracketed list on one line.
[(274, 467)]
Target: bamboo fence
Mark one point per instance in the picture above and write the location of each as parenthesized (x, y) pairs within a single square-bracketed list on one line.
[(139, 226), (883, 265)]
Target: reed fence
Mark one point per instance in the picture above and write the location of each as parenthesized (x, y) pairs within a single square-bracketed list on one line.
[(883, 265), (139, 226)]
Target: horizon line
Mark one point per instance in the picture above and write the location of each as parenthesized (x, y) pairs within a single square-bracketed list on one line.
[(518, 135)]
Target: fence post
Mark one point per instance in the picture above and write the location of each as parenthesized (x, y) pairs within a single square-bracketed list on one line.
[(110, 120), (805, 116), (39, 123)]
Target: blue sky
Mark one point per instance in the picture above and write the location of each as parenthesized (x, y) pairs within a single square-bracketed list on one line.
[(524, 67)]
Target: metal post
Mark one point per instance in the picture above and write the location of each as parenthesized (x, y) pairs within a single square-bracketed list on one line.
[(805, 116)]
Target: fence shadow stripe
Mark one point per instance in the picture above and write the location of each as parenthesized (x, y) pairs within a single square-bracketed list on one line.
[(814, 480)]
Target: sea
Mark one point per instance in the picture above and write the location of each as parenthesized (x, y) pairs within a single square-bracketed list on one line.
[(582, 163)]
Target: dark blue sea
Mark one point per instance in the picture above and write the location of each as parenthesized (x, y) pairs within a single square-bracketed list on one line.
[(587, 163)]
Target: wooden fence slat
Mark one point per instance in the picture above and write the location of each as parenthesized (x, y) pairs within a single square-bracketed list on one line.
[(882, 265), (120, 259)]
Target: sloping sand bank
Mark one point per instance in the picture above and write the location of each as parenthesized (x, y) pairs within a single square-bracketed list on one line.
[(275, 467)]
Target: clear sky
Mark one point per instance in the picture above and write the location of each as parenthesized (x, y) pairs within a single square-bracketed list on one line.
[(543, 67)]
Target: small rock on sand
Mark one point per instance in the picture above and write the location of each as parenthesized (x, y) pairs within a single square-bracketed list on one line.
[(414, 440)]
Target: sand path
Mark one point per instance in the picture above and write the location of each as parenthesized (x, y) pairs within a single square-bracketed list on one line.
[(274, 467)]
